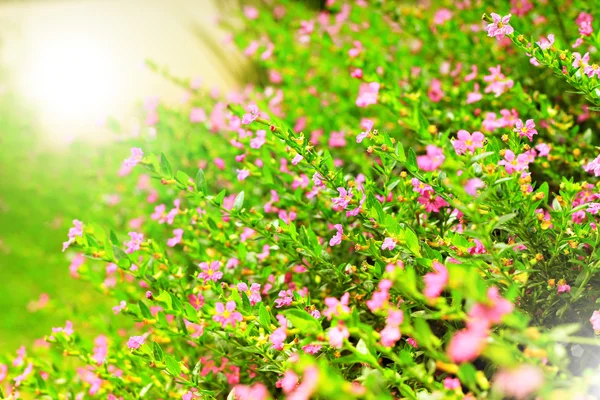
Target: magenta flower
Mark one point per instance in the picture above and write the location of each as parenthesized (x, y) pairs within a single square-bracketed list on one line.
[(514, 163), (564, 288), (226, 314), (253, 292), (122, 305), (432, 202), (435, 92), (172, 242), (499, 27), (242, 174), (251, 116), (74, 232), (432, 160), (494, 310), (135, 342), (367, 125), (593, 166), (337, 334), (435, 281), (546, 43), (388, 244), (337, 238), (451, 383), (136, 156), (259, 140), (467, 141), (367, 94), (595, 321), (473, 185), (579, 61), (527, 129), (336, 307), (210, 272), (468, 343), (344, 199), (134, 243)]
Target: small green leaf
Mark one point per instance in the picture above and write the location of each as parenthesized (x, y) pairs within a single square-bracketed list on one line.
[(303, 320), (263, 316), (412, 242), (173, 366), (145, 310), (238, 203), (201, 185), (165, 166), (411, 161), (158, 352), (183, 178)]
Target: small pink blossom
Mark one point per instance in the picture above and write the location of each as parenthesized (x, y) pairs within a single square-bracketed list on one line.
[(136, 157), (367, 94), (467, 142), (514, 163), (432, 160), (527, 129), (227, 315), (367, 125), (492, 312), (135, 342), (594, 320), (519, 383), (172, 242), (473, 185), (210, 272), (242, 174), (337, 334), (122, 305), (388, 244), (259, 140), (499, 27), (135, 242), (297, 159), (74, 232), (251, 116), (435, 281), (593, 166), (253, 292), (337, 307), (546, 43), (564, 288), (451, 383)]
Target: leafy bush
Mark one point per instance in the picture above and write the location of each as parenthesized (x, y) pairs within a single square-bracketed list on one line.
[(405, 208)]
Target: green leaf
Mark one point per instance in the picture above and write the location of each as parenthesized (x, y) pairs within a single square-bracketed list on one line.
[(146, 389), (263, 316), (562, 332), (303, 320), (183, 178), (165, 166), (238, 203), (411, 161), (220, 197), (173, 366), (158, 352), (412, 242), (467, 374), (201, 185), (145, 310)]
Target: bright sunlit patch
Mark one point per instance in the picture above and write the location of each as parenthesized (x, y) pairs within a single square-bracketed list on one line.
[(72, 82)]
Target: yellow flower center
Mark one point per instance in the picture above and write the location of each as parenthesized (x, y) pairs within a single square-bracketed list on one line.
[(469, 142), (500, 24)]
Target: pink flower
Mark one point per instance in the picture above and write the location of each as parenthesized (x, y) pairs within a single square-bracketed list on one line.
[(475, 95), (336, 307), (257, 391), (388, 244), (311, 348), (344, 199), (134, 243), (512, 163), (466, 141), (100, 349), (74, 232), (473, 185), (337, 238), (391, 333), (197, 115), (242, 174), (594, 320), (251, 116), (451, 383), (435, 92), (250, 12), (499, 27), (289, 381), (479, 248), (297, 159), (526, 130), (259, 140), (337, 334), (498, 83), (277, 338), (432, 160), (136, 156), (122, 305), (441, 16), (210, 272), (367, 94), (135, 342), (177, 239), (563, 288), (67, 330), (435, 281), (380, 296), (593, 166), (543, 149), (592, 70), (196, 301), (519, 383), (226, 314), (367, 125), (579, 61), (285, 298), (432, 202), (20, 378), (253, 292), (546, 43), (492, 312), (466, 344)]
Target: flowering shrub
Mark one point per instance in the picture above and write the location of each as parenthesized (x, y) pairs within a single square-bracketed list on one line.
[(406, 209)]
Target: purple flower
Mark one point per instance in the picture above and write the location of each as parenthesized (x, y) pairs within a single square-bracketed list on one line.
[(344, 199), (136, 156), (337, 239), (527, 129), (135, 242), (388, 244), (251, 116)]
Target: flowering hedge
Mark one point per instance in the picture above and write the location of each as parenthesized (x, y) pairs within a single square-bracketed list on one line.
[(405, 207)]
